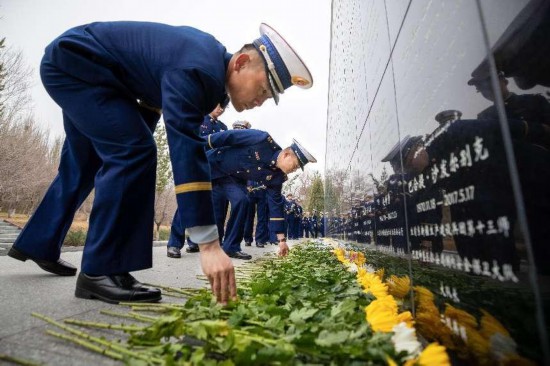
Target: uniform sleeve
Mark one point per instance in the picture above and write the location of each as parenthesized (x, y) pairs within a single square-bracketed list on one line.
[(186, 94), (236, 138), (544, 108), (276, 204)]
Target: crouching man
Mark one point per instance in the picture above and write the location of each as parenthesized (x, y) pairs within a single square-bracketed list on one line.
[(237, 156)]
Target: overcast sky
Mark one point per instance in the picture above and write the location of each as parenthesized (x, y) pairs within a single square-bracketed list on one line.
[(29, 25)]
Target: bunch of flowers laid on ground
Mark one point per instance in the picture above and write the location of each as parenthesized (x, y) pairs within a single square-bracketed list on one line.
[(303, 309), (474, 335), (383, 314)]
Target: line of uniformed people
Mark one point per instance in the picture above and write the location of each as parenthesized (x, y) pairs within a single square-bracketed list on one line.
[(248, 169)]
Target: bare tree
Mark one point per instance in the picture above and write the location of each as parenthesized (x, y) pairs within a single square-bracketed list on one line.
[(165, 200), (26, 167), (165, 206), (15, 84)]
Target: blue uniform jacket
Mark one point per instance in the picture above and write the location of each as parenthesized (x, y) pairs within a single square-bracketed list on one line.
[(179, 69), (255, 189), (210, 125), (250, 155)]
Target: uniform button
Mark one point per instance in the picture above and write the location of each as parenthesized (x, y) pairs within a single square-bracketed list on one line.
[(248, 171), (259, 168), (219, 152)]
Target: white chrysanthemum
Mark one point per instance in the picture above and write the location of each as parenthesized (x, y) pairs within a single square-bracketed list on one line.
[(404, 339), (369, 268), (502, 346), (330, 242), (352, 268)]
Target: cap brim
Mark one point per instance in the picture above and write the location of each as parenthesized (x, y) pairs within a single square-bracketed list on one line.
[(310, 158), (290, 56), (395, 149)]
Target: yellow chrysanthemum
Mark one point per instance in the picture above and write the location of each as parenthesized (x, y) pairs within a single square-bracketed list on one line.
[(358, 258), (340, 253), (433, 355), (428, 323), (462, 317), (490, 325), (399, 286), (430, 326), (382, 314), (422, 294), (372, 283), (407, 318), (380, 273), (479, 346), (381, 320), (390, 362)]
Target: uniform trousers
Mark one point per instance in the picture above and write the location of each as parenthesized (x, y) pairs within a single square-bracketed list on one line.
[(228, 189), (109, 146)]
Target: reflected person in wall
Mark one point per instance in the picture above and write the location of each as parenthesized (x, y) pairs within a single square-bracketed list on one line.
[(528, 117), (532, 109), (407, 159)]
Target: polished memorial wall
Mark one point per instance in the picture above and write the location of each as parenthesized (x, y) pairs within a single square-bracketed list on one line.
[(438, 162)]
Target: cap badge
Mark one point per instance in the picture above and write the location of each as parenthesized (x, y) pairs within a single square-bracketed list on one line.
[(300, 81), (268, 177)]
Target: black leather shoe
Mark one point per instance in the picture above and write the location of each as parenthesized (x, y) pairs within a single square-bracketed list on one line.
[(173, 252), (114, 289), (193, 249), (59, 267), (260, 245), (247, 243), (239, 255)]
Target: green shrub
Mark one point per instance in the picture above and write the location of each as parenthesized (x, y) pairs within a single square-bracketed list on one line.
[(75, 238), (164, 234)]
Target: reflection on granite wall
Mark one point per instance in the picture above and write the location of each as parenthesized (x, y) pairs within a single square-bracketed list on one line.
[(438, 161)]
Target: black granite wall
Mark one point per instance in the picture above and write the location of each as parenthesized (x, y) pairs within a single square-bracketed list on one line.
[(438, 162)]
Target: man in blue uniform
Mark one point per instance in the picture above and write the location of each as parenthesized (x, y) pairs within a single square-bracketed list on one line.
[(289, 208), (315, 223), (298, 219), (241, 155), (259, 209), (96, 73), (210, 124)]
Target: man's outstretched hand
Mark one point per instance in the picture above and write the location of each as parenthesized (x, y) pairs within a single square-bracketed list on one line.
[(219, 270), (283, 249)]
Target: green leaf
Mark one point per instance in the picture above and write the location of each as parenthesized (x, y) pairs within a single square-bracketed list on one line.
[(301, 315), (328, 339)]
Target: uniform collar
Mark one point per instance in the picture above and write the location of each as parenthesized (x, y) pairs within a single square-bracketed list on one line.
[(273, 162)]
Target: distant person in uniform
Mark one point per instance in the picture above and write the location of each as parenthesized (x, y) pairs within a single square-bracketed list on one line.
[(407, 159), (257, 203), (238, 156), (289, 209), (259, 209), (97, 73), (209, 125)]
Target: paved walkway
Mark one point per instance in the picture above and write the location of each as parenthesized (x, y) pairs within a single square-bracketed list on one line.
[(26, 288)]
